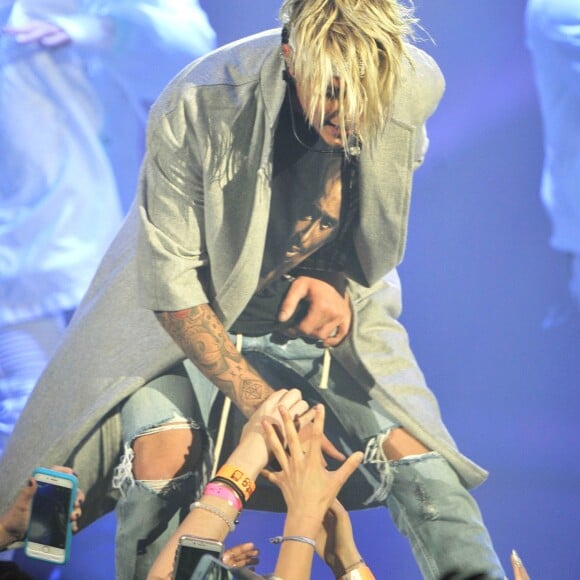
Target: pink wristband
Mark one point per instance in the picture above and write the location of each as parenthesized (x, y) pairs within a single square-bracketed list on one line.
[(223, 492)]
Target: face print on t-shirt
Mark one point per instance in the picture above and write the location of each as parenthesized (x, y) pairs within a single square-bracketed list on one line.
[(317, 219), (305, 207)]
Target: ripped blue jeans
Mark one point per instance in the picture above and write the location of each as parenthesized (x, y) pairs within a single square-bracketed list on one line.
[(423, 494), (149, 511)]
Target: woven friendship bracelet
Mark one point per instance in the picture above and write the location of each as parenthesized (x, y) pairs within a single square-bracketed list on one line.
[(303, 539), (236, 476), (216, 511)]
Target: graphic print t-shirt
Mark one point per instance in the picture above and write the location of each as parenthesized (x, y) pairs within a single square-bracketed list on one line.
[(305, 214)]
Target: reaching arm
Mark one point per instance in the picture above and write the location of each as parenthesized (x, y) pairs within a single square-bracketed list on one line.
[(309, 489), (205, 341), (336, 545), (250, 456)]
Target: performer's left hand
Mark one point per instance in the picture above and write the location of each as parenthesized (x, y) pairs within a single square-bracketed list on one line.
[(329, 313)]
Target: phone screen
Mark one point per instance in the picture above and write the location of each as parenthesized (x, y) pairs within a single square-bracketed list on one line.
[(50, 514), (210, 568), (188, 560)]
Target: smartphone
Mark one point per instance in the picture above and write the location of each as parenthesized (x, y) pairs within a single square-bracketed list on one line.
[(210, 568), (189, 553), (49, 532)]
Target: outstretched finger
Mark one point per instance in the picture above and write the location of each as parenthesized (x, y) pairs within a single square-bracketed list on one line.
[(298, 409), (311, 436), (290, 303), (292, 440), (306, 417), (348, 467), (274, 444), (290, 397), (520, 572), (293, 401), (318, 429), (329, 449)]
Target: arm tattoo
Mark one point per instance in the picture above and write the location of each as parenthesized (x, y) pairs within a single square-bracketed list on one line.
[(203, 338)]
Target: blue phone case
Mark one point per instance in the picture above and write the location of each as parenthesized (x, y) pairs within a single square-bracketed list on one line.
[(68, 532)]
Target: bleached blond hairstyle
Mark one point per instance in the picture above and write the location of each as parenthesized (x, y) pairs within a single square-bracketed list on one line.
[(360, 44)]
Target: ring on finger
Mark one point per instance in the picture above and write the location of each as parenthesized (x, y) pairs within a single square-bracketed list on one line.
[(334, 333)]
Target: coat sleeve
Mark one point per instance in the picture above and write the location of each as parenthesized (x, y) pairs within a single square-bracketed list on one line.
[(172, 255), (430, 85)]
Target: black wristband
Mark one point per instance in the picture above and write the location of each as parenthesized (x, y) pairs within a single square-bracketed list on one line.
[(227, 482)]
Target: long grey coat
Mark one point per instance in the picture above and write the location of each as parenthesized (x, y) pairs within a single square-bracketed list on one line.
[(227, 101)]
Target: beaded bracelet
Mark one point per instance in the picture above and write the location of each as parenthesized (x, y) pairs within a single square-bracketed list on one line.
[(216, 511), (236, 476), (224, 492), (303, 539)]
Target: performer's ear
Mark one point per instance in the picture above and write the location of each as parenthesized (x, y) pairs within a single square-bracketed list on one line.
[(286, 50)]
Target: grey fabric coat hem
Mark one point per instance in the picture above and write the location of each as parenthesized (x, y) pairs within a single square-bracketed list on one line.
[(114, 346)]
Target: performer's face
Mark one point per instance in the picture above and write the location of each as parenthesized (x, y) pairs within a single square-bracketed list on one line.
[(326, 125)]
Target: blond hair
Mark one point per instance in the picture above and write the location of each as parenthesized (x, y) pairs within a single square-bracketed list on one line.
[(360, 43)]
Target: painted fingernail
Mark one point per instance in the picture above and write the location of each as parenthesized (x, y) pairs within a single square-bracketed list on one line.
[(517, 560)]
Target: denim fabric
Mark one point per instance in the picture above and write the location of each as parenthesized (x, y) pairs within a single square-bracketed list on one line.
[(146, 518), (430, 506), (145, 522), (424, 495)]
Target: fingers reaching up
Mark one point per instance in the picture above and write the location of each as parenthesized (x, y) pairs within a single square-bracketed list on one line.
[(305, 482)]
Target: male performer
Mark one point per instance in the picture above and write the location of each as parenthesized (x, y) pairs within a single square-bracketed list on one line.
[(272, 211)]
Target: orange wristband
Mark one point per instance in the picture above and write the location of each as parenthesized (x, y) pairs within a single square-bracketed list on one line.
[(361, 573), (238, 478)]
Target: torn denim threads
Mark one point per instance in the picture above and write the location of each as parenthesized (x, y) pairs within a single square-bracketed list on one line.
[(148, 511), (427, 501)]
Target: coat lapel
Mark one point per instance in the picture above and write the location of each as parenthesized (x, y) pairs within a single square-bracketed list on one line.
[(385, 189), (238, 280)]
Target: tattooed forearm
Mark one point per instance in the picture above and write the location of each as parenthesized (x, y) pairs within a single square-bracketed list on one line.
[(203, 338)]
